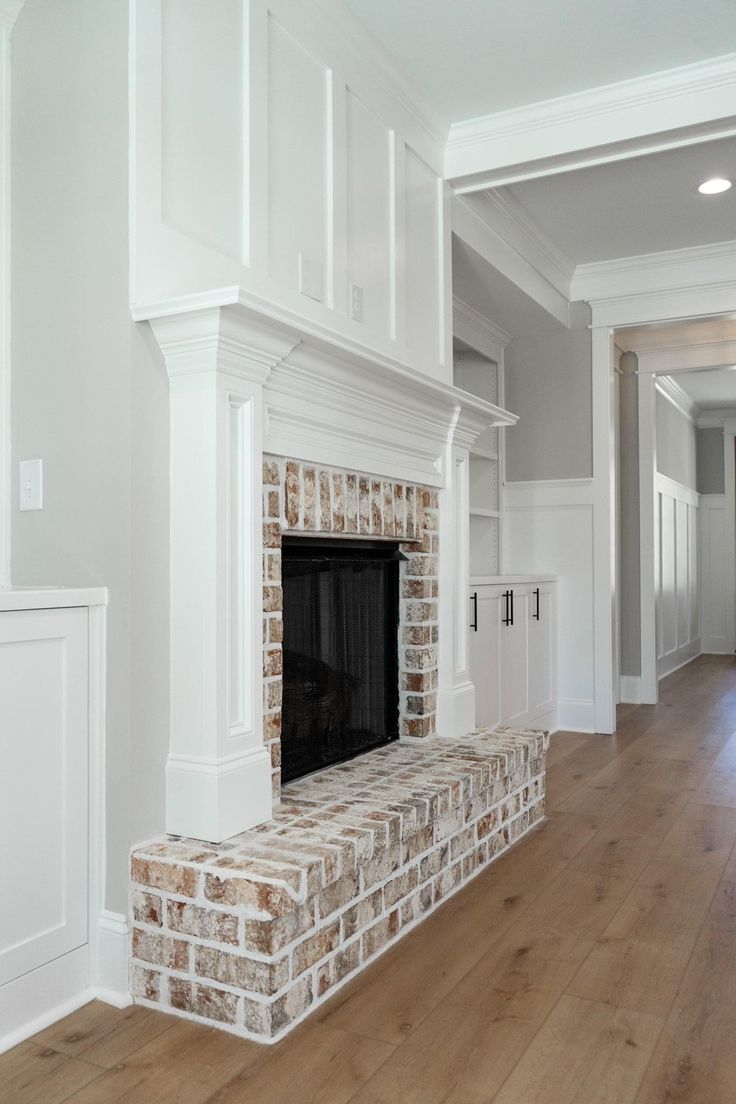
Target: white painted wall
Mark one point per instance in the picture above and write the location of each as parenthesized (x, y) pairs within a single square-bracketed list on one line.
[(89, 396), (269, 132)]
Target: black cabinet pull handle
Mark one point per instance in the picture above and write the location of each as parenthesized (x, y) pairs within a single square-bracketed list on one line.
[(474, 622), (536, 615), (507, 618)]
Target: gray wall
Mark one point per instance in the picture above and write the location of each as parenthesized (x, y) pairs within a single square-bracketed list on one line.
[(676, 449), (89, 395), (711, 474), (549, 385), (629, 583)]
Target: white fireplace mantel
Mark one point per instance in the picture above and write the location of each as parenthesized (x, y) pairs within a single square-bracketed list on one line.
[(244, 381)]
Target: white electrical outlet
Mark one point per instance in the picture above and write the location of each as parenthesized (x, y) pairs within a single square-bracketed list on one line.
[(30, 474), (356, 302), (310, 278)]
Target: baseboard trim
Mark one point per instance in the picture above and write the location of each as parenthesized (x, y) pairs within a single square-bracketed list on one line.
[(629, 689), (669, 664), (35, 1000), (113, 953), (456, 709), (575, 715)]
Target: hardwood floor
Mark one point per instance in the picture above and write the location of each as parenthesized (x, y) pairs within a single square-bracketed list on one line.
[(593, 964)]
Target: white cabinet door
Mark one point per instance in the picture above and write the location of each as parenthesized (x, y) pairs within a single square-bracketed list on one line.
[(43, 786), (514, 658), (485, 659), (542, 692)]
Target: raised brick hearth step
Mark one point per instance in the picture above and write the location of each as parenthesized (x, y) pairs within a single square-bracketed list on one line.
[(252, 934)]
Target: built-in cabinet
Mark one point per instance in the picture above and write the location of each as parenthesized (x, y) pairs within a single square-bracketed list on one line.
[(46, 709), (512, 650)]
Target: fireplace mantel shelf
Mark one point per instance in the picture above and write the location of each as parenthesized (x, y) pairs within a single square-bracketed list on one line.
[(247, 380), (372, 370)]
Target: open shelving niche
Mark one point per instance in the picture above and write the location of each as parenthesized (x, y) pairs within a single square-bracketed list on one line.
[(482, 376)]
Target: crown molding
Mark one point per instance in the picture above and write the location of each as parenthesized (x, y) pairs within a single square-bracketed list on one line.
[(674, 358), (679, 398), (338, 22), (670, 270), (715, 419), (514, 223), (656, 111), (477, 330)]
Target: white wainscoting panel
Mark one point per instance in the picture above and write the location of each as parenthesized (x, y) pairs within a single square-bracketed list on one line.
[(275, 148), (714, 562), (549, 529), (677, 583)]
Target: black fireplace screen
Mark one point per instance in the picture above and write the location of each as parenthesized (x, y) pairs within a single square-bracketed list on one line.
[(340, 682)]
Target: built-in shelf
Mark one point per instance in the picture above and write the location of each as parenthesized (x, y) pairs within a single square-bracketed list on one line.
[(481, 511)]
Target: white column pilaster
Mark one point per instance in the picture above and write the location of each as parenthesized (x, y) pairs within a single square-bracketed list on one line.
[(218, 773), (456, 693)]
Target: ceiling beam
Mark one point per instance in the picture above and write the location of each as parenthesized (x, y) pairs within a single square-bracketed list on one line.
[(659, 111)]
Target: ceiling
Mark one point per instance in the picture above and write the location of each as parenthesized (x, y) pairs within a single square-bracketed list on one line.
[(711, 389), (474, 57), (642, 205)]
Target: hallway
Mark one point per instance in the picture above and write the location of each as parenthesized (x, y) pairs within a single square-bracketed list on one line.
[(594, 964)]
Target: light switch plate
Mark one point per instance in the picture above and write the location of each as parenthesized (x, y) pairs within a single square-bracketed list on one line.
[(30, 473), (310, 278)]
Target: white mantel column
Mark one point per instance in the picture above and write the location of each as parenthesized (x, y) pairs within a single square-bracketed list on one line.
[(218, 773), (456, 692)]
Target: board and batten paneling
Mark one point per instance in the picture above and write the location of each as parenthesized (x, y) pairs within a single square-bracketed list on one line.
[(548, 528), (677, 567), (275, 150), (298, 85), (714, 568), (201, 129)]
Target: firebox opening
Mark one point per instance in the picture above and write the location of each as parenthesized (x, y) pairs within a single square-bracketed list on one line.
[(341, 662)]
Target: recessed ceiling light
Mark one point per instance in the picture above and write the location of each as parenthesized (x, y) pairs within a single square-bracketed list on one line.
[(714, 186)]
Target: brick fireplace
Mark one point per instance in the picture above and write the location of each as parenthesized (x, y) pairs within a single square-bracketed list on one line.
[(263, 898), (306, 498)]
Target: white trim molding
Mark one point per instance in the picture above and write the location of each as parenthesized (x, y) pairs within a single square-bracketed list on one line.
[(478, 222), (243, 383), (655, 276), (681, 401), (110, 980), (716, 419), (478, 331), (658, 111), (629, 691)]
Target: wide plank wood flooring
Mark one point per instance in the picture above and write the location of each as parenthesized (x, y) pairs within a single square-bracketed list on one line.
[(593, 964)]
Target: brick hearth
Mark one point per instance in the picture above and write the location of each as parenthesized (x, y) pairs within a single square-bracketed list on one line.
[(252, 934)]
